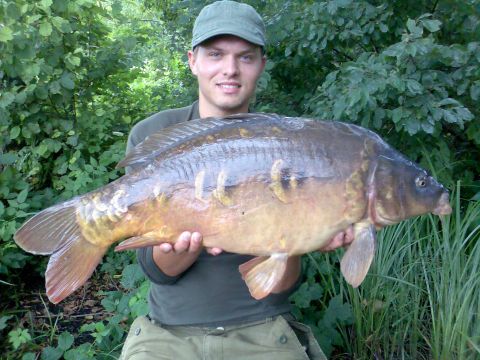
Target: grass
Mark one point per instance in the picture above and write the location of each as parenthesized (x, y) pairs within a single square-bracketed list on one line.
[(421, 299)]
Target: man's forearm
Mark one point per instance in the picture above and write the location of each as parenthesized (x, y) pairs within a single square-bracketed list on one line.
[(173, 264)]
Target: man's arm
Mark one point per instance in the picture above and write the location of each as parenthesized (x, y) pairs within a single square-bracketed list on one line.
[(174, 259)]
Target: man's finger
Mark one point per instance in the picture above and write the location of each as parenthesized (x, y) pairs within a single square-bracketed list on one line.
[(195, 242), (214, 251), (183, 242), (336, 242), (165, 247), (349, 236)]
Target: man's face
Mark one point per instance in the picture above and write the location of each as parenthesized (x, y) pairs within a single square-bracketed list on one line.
[(227, 69)]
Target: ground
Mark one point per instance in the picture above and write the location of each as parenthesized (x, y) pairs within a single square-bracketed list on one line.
[(33, 311)]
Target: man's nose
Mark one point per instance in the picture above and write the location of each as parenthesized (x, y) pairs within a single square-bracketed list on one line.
[(230, 66)]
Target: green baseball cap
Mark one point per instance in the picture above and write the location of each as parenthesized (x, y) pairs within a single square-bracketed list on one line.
[(229, 18)]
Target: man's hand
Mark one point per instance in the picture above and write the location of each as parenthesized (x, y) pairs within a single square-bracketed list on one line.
[(188, 242), (343, 238), (173, 259)]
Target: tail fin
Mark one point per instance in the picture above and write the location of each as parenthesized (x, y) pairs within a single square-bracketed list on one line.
[(70, 267), (55, 231), (49, 230)]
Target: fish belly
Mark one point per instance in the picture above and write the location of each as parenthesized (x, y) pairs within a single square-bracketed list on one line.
[(258, 223)]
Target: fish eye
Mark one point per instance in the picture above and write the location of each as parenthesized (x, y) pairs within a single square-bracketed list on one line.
[(421, 181)]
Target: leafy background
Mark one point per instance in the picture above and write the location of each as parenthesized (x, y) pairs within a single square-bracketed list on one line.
[(75, 76)]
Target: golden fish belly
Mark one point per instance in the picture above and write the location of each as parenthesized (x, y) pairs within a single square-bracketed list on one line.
[(257, 222)]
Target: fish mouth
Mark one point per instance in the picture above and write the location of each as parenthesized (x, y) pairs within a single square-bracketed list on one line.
[(443, 207)]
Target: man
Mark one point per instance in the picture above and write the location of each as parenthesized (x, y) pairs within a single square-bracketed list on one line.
[(200, 308)]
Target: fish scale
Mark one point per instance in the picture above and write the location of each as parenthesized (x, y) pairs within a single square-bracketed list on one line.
[(258, 184)]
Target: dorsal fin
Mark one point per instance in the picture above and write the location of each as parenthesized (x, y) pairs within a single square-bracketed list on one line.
[(159, 142)]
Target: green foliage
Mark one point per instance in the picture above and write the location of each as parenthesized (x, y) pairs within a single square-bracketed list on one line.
[(399, 68), (18, 337), (74, 79), (315, 304), (76, 76), (423, 287)]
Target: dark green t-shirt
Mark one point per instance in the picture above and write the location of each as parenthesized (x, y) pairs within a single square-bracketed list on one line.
[(211, 292)]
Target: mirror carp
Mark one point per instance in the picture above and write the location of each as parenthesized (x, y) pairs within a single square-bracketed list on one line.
[(258, 184)]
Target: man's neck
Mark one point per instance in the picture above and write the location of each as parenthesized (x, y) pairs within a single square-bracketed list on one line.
[(208, 111)]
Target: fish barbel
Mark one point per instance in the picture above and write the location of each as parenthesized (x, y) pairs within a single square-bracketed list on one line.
[(284, 186)]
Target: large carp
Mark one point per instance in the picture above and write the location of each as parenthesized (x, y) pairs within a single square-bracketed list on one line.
[(283, 186)]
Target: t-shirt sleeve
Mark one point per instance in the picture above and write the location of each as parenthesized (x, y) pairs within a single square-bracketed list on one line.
[(151, 270)]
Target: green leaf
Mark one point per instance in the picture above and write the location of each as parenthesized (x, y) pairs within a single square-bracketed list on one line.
[(45, 29), (21, 97), (448, 101), (415, 30), (50, 353), (475, 91), (45, 4), (412, 126), (5, 34), (60, 24), (29, 356), (67, 81), (82, 352), (18, 337), (6, 99), (29, 72), (22, 196), (4, 319), (73, 60), (13, 12), (7, 158), (414, 87), (14, 132), (383, 28), (411, 25), (55, 88), (131, 275), (42, 149), (41, 92), (395, 50), (117, 8), (338, 312), (432, 25), (306, 294), (65, 341)]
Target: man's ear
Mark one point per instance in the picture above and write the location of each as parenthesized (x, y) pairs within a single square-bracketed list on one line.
[(192, 62), (264, 62)]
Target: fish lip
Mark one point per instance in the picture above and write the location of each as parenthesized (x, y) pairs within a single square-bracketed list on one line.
[(380, 221), (443, 207)]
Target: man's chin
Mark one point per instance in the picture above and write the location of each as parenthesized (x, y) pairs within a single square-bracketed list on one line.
[(231, 107)]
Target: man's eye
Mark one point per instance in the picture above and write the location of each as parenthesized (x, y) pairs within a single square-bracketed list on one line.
[(214, 54), (247, 57)]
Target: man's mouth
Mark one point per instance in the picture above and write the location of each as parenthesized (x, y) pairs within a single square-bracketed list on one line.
[(229, 85)]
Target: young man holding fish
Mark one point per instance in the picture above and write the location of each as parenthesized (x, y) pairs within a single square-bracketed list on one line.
[(200, 306)]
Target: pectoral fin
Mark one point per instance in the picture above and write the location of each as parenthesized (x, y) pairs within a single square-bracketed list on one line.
[(358, 258), (262, 274)]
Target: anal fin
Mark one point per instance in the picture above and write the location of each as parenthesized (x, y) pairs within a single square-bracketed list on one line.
[(262, 274), (359, 256)]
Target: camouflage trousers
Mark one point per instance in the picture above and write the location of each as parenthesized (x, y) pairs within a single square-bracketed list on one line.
[(272, 339)]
